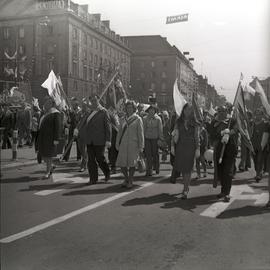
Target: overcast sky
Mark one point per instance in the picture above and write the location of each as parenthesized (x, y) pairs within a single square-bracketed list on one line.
[(225, 37)]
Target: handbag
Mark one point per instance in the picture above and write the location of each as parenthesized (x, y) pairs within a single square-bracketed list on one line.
[(141, 164)]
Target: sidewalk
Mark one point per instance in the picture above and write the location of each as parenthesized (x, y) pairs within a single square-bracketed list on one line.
[(25, 156)]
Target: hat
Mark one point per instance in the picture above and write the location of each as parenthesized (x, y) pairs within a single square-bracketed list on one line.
[(152, 106), (221, 109)]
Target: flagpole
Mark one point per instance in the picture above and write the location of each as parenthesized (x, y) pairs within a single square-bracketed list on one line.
[(230, 120)]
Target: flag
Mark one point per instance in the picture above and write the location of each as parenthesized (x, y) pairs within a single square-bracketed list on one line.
[(115, 94), (249, 91), (178, 99), (197, 112), (242, 120), (53, 86), (211, 111), (263, 97)]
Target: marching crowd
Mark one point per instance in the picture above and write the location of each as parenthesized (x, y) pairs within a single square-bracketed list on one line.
[(136, 136)]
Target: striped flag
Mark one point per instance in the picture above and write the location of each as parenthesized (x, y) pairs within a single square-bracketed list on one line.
[(240, 113), (197, 111)]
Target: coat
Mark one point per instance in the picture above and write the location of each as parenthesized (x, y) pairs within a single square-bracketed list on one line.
[(97, 131), (129, 141), (50, 130)]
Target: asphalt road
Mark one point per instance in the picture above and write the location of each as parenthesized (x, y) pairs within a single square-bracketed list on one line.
[(63, 224)]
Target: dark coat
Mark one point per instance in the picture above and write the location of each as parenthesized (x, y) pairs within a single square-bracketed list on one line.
[(98, 130), (50, 130)]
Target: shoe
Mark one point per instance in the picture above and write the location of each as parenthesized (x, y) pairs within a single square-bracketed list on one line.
[(124, 184), (46, 176), (148, 174), (129, 185), (184, 195), (204, 175), (91, 183), (268, 205), (172, 180), (227, 198), (220, 195), (107, 177), (157, 171), (81, 169), (258, 178)]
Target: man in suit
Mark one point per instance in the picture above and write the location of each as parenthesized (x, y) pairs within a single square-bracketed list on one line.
[(97, 135)]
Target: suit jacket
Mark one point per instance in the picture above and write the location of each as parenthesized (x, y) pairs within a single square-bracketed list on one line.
[(98, 130)]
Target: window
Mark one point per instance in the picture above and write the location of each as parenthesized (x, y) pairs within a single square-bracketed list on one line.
[(163, 75), (101, 46), (85, 72), (84, 39), (84, 55), (142, 64), (21, 32), (50, 30), (50, 64), (21, 49), (152, 64), (96, 43), (74, 69), (91, 42), (90, 74), (75, 86), (96, 60), (163, 86), (91, 58), (153, 86), (100, 61), (6, 33), (74, 33), (153, 74), (74, 51), (50, 49), (164, 63)]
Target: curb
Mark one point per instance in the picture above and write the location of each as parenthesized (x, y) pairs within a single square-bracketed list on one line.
[(18, 164)]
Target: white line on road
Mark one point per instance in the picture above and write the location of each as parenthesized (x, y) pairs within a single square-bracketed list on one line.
[(66, 180), (72, 214)]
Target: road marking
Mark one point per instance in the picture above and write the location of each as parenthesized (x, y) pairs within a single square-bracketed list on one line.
[(72, 214), (67, 181), (236, 194)]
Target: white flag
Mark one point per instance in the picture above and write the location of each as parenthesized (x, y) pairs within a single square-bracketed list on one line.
[(249, 89), (263, 97), (178, 99)]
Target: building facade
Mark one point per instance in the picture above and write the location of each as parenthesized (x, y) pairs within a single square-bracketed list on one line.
[(155, 65), (38, 36)]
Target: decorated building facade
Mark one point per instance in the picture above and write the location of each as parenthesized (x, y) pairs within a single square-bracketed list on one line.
[(38, 36)]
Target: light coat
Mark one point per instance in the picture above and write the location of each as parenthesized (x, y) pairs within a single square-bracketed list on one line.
[(132, 141)]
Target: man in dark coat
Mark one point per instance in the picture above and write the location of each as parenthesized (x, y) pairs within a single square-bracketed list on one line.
[(224, 134), (97, 135)]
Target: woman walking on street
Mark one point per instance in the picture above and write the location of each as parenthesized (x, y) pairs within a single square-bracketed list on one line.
[(129, 143), (187, 146), (49, 134)]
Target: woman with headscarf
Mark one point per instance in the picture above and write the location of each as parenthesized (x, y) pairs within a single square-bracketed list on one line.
[(187, 146), (49, 134), (129, 143)]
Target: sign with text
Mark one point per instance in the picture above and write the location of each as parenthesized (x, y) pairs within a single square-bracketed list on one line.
[(177, 18)]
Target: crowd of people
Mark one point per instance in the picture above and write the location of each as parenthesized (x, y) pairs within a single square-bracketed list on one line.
[(137, 134)]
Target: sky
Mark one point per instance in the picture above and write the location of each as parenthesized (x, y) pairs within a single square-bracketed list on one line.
[(225, 37)]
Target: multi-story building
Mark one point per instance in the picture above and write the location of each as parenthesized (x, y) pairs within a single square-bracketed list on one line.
[(59, 35), (155, 65)]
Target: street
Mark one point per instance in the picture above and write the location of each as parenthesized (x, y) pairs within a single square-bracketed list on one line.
[(63, 224)]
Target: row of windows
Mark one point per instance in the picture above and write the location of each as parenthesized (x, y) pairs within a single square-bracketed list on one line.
[(154, 75), (153, 64), (98, 45)]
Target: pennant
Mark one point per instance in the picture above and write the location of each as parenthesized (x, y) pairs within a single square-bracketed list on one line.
[(197, 112), (263, 97), (178, 99), (11, 57), (242, 120)]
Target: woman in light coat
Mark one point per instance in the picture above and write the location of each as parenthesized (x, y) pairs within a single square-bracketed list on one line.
[(129, 143)]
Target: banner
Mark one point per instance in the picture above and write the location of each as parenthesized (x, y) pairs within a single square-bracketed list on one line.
[(177, 18)]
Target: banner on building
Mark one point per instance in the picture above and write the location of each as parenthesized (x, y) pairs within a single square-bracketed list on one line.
[(177, 18)]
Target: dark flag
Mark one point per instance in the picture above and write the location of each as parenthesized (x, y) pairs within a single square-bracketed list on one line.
[(197, 111), (242, 119)]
